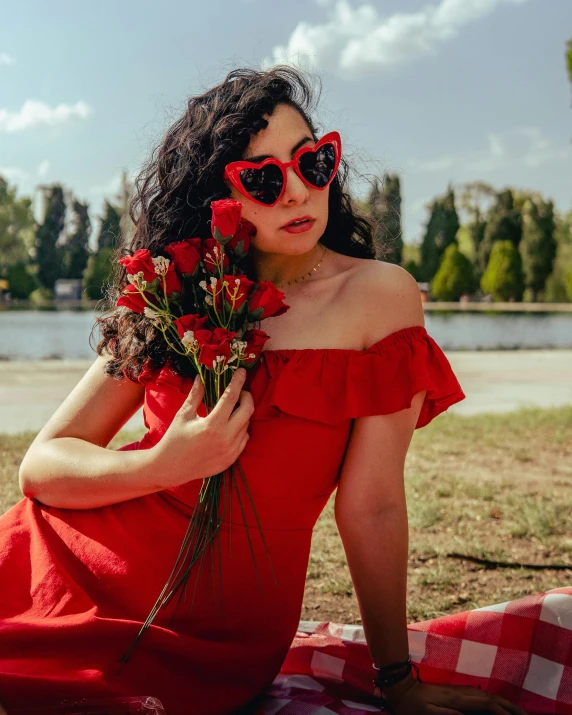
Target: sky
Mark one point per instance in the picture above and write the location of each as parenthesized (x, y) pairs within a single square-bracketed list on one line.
[(437, 91)]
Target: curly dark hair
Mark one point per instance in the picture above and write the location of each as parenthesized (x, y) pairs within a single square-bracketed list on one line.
[(174, 190)]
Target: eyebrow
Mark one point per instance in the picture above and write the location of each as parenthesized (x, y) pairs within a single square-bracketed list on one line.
[(295, 148)]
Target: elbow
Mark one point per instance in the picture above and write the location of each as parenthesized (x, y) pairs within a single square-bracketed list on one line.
[(28, 477)]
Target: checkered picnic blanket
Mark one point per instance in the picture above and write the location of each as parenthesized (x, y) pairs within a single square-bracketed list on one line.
[(520, 650)]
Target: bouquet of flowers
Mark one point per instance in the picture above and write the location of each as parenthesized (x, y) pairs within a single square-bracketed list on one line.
[(205, 306)]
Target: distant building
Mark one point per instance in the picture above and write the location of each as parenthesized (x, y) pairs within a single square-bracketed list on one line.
[(425, 290), (68, 289)]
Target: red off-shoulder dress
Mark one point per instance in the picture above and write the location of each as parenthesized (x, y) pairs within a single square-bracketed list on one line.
[(76, 585)]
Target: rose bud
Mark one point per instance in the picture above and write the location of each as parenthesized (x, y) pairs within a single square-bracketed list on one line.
[(142, 261), (191, 321), (211, 255), (266, 302), (214, 346), (225, 219), (131, 298), (185, 255), (255, 340), (235, 293), (239, 244)]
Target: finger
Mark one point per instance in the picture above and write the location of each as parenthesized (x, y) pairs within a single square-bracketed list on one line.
[(240, 418), (511, 707), (193, 399), (244, 441), (223, 408)]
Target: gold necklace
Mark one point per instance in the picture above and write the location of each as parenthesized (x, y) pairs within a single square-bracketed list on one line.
[(306, 275)]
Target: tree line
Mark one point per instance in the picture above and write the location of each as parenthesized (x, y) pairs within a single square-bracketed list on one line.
[(478, 242), (34, 255)]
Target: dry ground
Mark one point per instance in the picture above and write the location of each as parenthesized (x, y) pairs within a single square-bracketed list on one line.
[(492, 486)]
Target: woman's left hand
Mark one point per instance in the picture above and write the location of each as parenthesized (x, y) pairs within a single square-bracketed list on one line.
[(427, 699)]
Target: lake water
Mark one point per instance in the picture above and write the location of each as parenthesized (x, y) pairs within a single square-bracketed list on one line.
[(63, 334)]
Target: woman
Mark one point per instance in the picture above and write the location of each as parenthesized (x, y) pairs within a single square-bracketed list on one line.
[(348, 373)]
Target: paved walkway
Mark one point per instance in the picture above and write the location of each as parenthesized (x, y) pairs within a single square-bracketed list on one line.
[(494, 381)]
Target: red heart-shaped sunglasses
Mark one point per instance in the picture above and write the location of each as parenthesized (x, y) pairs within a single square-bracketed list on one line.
[(265, 182)]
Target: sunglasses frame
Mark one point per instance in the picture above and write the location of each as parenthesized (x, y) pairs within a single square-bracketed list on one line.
[(233, 169)]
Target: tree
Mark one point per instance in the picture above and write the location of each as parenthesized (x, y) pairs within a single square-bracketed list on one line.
[(126, 225), (538, 245), (475, 201), (503, 278), (48, 253), (440, 233), (503, 223), (559, 284), (16, 228), (110, 229), (75, 251), (455, 277), (385, 209), (98, 273), (20, 281)]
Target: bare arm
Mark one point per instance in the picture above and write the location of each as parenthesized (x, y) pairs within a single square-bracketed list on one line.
[(370, 507), (371, 515), (68, 465)]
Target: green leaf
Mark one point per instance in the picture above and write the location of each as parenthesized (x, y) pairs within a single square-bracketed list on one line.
[(220, 238), (255, 315)]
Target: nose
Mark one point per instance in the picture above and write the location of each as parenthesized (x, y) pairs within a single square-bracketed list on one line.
[(296, 190)]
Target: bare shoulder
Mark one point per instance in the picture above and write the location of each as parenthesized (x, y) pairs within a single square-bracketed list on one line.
[(382, 298)]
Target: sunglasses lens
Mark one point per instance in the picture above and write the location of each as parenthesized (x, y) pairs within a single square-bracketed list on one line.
[(318, 167), (264, 184)]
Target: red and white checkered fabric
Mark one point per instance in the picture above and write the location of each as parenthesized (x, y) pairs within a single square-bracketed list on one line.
[(520, 650)]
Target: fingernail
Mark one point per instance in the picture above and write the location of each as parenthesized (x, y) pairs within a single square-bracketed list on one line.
[(241, 371)]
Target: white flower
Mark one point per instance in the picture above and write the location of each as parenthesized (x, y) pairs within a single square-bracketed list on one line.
[(203, 284), (161, 265), (188, 339), (252, 355), (135, 278), (237, 281), (209, 300), (150, 313), (213, 282)]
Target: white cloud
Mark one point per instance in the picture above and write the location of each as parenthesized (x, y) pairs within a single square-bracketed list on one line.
[(6, 60), (34, 113), (43, 168), (355, 41), (518, 147)]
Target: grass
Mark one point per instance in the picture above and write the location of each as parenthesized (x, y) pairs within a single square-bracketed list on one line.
[(495, 486)]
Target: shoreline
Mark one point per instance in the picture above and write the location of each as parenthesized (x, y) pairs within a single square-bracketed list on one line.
[(493, 381)]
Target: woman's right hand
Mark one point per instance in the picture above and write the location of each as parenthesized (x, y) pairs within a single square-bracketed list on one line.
[(195, 447)]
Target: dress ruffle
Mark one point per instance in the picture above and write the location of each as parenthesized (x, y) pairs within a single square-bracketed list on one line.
[(332, 385)]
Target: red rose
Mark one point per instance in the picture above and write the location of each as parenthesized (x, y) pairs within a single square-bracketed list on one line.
[(172, 281), (141, 260), (225, 216), (214, 344), (192, 322), (240, 242), (255, 340), (267, 301), (235, 293), (132, 299), (213, 249), (185, 255)]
